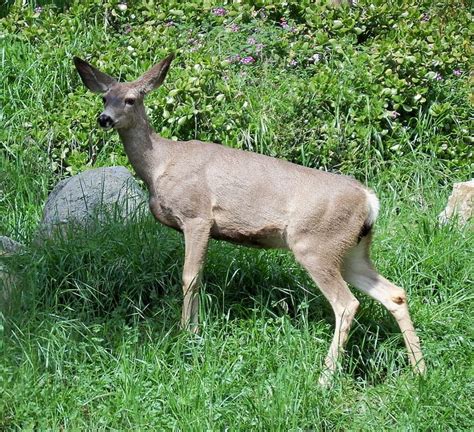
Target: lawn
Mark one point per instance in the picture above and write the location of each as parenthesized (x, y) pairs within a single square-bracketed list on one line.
[(91, 339)]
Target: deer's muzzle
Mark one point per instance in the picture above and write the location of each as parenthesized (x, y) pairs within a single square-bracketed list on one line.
[(105, 121)]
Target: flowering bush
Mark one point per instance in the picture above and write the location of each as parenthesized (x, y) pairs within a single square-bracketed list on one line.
[(312, 83)]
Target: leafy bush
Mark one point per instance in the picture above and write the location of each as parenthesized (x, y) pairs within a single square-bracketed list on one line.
[(376, 88), (339, 87)]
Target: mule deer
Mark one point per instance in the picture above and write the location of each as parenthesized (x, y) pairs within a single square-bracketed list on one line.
[(207, 190)]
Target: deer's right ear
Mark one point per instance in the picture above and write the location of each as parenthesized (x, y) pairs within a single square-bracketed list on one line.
[(93, 79)]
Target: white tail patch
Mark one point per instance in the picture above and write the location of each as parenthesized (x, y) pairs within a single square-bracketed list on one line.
[(373, 206)]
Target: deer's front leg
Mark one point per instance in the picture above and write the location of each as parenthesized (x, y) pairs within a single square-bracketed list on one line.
[(196, 238)]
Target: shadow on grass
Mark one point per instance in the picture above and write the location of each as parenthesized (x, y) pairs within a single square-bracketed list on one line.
[(120, 275)]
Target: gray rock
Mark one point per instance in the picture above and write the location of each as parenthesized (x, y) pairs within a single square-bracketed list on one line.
[(93, 196), (460, 203), (8, 281), (9, 246)]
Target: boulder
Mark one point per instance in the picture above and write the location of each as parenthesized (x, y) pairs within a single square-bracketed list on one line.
[(93, 196), (460, 203)]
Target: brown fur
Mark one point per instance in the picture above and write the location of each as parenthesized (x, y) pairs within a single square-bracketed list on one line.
[(207, 190)]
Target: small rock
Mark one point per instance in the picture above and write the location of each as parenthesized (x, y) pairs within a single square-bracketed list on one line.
[(7, 279), (93, 195), (9, 246), (460, 203)]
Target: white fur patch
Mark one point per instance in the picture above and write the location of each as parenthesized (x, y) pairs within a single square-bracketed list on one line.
[(374, 207)]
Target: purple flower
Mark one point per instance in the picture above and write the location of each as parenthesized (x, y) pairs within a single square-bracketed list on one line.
[(234, 28), (438, 77), (284, 24), (457, 72), (293, 62), (169, 23), (38, 9), (425, 17), (315, 58), (251, 40), (394, 114), (247, 60), (219, 11)]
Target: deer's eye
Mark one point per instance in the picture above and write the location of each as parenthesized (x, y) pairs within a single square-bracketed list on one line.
[(129, 101)]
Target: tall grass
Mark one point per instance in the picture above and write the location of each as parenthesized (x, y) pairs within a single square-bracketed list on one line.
[(93, 342), (89, 338)]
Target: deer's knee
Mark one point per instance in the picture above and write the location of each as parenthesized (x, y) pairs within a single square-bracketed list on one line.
[(344, 311), (349, 308), (190, 280), (397, 295), (397, 303), (399, 299)]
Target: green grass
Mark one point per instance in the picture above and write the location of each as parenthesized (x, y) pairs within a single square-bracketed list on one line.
[(90, 338), (94, 342)]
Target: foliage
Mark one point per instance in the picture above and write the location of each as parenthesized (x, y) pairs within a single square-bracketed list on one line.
[(94, 341), (318, 85), (379, 91)]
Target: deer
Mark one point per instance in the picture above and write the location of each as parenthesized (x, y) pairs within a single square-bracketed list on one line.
[(211, 191)]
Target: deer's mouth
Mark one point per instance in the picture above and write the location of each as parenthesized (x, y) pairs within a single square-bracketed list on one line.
[(108, 126)]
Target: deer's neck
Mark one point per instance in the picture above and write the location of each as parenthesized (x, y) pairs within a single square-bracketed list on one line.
[(141, 147)]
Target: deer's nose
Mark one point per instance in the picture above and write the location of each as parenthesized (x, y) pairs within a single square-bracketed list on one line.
[(105, 121)]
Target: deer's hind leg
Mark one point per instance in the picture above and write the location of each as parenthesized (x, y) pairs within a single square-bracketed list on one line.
[(359, 272), (324, 270)]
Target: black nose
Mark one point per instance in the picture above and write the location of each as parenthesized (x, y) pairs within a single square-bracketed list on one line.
[(105, 121)]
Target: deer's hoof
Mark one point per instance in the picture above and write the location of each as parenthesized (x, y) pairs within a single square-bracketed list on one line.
[(326, 379)]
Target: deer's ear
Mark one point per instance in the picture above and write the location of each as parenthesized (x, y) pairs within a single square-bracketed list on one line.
[(155, 76), (93, 79)]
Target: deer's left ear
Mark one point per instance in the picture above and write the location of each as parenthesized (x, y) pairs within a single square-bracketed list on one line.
[(155, 76), (93, 79)]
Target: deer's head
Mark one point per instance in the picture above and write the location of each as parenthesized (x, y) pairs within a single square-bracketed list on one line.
[(123, 102)]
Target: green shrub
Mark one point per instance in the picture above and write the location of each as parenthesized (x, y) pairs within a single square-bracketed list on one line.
[(338, 87)]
